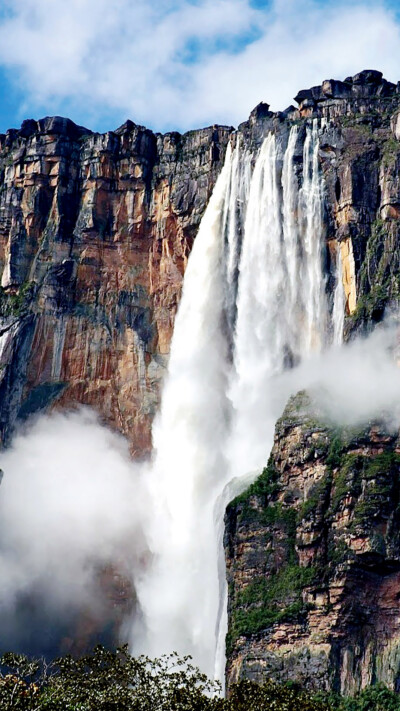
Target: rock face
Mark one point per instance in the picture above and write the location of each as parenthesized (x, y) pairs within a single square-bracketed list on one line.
[(313, 558), (95, 231)]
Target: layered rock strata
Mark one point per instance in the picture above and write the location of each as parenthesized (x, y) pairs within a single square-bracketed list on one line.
[(95, 231), (313, 558)]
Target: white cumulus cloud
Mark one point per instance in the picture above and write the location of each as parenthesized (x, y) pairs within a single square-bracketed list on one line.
[(185, 63)]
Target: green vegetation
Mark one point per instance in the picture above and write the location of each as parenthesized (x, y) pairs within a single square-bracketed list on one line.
[(268, 518), (16, 303), (379, 279), (8, 160), (363, 123), (338, 552), (104, 680), (277, 596), (115, 681), (390, 151), (268, 600), (264, 487), (346, 481), (371, 306), (370, 481), (334, 457), (373, 698), (301, 410)]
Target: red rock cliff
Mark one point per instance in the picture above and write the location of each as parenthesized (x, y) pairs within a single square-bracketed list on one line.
[(95, 231)]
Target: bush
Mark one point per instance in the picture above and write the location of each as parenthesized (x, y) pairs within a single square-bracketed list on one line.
[(114, 681)]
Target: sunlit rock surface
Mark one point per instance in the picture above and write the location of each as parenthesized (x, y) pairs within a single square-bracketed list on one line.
[(95, 231)]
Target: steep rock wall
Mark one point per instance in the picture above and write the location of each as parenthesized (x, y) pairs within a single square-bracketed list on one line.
[(312, 548), (313, 558), (95, 231)]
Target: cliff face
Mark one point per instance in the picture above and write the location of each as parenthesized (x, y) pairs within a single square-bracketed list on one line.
[(95, 231), (359, 157), (313, 558)]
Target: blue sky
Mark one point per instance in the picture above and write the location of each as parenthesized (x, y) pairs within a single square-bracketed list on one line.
[(181, 64)]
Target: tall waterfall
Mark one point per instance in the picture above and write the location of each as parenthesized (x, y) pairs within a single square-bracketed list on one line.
[(253, 304), (338, 302)]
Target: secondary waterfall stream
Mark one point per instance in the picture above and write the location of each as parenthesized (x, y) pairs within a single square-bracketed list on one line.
[(253, 303)]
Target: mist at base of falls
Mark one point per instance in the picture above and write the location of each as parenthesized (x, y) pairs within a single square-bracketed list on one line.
[(255, 325)]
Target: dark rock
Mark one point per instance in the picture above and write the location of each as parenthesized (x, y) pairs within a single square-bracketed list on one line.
[(336, 89), (95, 232), (28, 128), (260, 111), (367, 76), (61, 126)]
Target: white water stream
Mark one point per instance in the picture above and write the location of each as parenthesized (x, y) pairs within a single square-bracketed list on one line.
[(253, 304)]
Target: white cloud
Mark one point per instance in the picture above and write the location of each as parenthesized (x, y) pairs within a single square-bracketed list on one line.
[(71, 501), (130, 57)]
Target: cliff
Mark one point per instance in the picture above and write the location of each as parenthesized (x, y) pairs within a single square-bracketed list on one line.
[(95, 231), (312, 547), (313, 558)]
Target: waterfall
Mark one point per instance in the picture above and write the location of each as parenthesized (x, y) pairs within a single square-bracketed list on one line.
[(235, 204), (312, 277), (179, 592), (253, 304), (338, 301)]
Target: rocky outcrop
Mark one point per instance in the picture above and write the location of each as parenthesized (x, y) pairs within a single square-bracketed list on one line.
[(313, 558), (95, 231), (313, 547)]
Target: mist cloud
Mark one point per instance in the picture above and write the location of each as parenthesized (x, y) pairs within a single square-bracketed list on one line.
[(72, 500), (70, 503), (355, 383), (181, 64)]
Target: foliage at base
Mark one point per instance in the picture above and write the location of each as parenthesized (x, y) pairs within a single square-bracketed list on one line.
[(115, 681)]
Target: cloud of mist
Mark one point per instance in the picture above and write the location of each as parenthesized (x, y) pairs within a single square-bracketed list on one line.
[(355, 383), (70, 503), (349, 385), (179, 63)]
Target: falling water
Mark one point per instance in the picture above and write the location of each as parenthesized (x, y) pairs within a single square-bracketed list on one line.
[(253, 304), (179, 593), (338, 301), (312, 279), (236, 198)]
